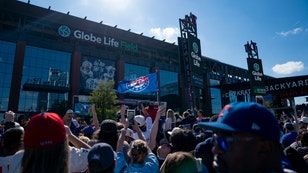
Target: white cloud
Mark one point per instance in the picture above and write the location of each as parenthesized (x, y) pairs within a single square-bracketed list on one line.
[(170, 34), (291, 32), (288, 67)]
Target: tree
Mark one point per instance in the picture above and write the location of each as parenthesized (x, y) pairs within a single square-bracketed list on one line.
[(59, 107), (104, 97)]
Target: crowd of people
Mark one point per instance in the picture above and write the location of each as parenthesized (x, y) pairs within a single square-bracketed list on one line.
[(243, 137)]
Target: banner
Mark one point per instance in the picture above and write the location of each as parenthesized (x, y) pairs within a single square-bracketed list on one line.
[(256, 76), (143, 84)]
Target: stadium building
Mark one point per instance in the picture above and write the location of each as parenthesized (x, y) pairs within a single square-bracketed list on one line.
[(47, 57)]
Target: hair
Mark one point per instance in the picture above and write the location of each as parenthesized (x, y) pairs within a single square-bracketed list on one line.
[(12, 140), (48, 160), (185, 114), (201, 112), (84, 138), (108, 133), (170, 113), (110, 138), (304, 139), (183, 140), (138, 151), (179, 162), (22, 119)]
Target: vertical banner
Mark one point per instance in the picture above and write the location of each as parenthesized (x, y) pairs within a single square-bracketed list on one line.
[(256, 76), (194, 51)]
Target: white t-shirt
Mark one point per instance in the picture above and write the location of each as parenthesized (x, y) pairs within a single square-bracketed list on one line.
[(78, 161), (11, 164), (146, 133), (169, 124)]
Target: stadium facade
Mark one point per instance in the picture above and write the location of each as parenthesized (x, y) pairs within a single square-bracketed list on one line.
[(48, 56)]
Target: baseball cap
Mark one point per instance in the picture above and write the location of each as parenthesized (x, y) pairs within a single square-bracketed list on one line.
[(44, 130), (140, 120), (129, 133), (101, 157), (174, 130), (248, 117), (288, 125), (69, 111)]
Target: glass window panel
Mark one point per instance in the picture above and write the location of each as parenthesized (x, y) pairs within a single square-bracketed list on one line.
[(216, 95), (168, 83), (7, 56), (39, 63), (135, 71)]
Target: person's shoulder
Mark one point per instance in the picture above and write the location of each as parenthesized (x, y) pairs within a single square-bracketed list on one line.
[(78, 150), (286, 170), (5, 159)]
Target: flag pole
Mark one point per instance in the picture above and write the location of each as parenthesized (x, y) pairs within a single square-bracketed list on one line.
[(158, 85)]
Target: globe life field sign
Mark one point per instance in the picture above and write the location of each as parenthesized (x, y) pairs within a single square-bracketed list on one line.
[(65, 31), (256, 76)]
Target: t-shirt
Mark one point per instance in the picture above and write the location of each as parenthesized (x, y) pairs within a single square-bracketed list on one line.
[(146, 133), (152, 112), (11, 164), (121, 163), (78, 161), (151, 166), (169, 124)]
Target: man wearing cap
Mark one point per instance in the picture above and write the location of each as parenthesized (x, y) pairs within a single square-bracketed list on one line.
[(289, 135), (145, 125), (101, 159), (246, 139)]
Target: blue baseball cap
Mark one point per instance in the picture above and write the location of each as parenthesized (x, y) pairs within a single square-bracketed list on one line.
[(101, 157), (247, 117)]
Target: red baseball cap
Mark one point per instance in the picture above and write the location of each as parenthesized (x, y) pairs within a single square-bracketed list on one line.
[(44, 130)]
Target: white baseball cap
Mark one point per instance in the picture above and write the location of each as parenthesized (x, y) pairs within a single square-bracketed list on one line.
[(140, 119), (69, 111)]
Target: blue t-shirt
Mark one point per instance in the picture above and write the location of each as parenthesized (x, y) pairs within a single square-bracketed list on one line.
[(288, 138), (151, 165), (120, 163)]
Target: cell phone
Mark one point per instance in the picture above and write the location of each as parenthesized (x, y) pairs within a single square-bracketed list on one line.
[(130, 116), (163, 105)]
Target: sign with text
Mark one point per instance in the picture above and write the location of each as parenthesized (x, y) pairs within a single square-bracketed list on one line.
[(256, 76), (194, 51)]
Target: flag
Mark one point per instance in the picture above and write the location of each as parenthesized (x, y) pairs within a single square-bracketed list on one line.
[(143, 84)]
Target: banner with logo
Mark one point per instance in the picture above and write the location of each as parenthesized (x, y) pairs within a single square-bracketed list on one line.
[(143, 84), (256, 76), (194, 54)]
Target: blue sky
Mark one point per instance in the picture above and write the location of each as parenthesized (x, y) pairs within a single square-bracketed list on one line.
[(279, 27)]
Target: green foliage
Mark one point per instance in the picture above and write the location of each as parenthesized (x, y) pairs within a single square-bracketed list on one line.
[(104, 97), (59, 107)]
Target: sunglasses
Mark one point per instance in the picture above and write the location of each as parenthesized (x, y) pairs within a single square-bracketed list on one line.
[(223, 141)]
